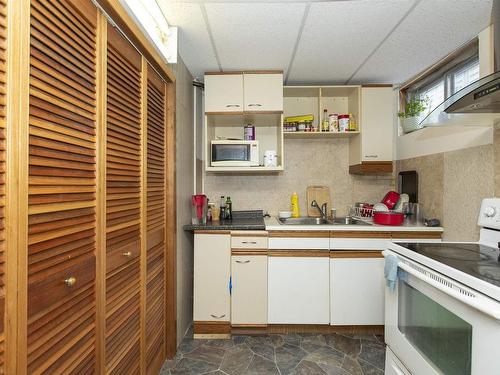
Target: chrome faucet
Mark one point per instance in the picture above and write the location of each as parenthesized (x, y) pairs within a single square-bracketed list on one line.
[(323, 209)]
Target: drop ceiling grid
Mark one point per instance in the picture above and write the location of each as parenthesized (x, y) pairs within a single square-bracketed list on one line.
[(431, 31), (254, 35), (338, 36), (195, 46)]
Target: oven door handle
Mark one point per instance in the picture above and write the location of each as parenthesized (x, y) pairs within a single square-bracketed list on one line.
[(491, 309)]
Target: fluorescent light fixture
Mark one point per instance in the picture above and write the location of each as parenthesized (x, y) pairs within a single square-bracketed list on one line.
[(150, 18)]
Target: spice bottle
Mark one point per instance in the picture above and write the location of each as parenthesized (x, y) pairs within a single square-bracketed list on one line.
[(324, 125)]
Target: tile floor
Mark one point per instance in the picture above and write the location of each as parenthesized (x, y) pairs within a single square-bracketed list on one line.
[(307, 354)]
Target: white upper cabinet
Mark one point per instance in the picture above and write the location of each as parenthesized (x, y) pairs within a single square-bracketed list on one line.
[(375, 143), (377, 114), (224, 92), (263, 92), (244, 92)]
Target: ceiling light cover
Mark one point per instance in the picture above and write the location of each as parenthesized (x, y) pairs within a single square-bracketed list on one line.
[(149, 17)]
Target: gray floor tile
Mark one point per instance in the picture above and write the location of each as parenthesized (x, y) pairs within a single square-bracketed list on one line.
[(373, 355), (236, 360), (260, 365), (344, 344), (308, 368), (208, 354)]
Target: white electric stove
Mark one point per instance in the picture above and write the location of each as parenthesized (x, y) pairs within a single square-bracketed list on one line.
[(443, 316)]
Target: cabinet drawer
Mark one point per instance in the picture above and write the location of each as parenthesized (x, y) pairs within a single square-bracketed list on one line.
[(249, 242), (120, 255), (60, 284)]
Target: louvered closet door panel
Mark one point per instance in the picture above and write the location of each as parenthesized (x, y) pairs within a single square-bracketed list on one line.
[(62, 193), (155, 287), (123, 177), (3, 53)]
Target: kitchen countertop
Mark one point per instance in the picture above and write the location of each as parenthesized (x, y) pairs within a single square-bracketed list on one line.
[(272, 224), (253, 220)]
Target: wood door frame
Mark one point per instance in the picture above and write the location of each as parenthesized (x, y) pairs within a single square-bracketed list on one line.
[(171, 223)]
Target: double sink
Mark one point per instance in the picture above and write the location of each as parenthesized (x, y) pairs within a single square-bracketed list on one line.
[(320, 221)]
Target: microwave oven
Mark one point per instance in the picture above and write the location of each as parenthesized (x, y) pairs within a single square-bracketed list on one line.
[(234, 153)]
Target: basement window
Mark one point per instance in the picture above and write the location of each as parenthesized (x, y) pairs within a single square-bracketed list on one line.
[(444, 78)]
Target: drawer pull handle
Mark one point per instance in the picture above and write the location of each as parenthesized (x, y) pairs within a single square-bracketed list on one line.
[(255, 105), (70, 281), (233, 105), (242, 261), (371, 156), (218, 316), (127, 254), (250, 242)]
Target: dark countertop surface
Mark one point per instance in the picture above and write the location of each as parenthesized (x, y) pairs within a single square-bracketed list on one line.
[(242, 220)]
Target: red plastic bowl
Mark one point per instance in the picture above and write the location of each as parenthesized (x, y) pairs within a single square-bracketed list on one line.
[(390, 199), (388, 218)]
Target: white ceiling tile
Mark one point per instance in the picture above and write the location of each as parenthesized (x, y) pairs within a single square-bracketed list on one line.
[(194, 42), (254, 35), (431, 31), (339, 36)]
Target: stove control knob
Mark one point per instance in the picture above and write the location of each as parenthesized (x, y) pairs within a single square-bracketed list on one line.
[(490, 211)]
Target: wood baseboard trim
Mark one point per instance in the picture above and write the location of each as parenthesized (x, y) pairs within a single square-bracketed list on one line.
[(325, 329), (249, 252), (249, 329), (371, 167), (211, 328)]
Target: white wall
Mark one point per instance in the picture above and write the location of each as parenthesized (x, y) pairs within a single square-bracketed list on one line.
[(185, 184)]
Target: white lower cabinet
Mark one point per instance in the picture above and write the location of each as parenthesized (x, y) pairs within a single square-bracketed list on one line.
[(249, 289), (298, 290), (357, 288), (393, 365), (212, 269)]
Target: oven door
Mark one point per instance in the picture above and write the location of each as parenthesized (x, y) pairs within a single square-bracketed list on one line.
[(436, 325)]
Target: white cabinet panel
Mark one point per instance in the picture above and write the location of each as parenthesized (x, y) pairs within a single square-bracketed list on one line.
[(263, 92), (298, 243), (212, 266), (357, 291), (377, 116), (224, 93), (298, 290), (249, 295)]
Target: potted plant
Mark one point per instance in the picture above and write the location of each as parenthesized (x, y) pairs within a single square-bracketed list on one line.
[(410, 118)]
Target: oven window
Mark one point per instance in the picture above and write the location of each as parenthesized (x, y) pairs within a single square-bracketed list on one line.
[(438, 334)]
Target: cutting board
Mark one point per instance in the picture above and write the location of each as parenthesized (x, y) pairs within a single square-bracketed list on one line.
[(320, 194)]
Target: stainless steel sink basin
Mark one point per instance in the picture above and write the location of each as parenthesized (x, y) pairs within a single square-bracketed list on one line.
[(304, 221), (319, 221)]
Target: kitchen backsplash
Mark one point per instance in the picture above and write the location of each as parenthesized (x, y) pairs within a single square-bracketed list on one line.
[(307, 162), (452, 185)]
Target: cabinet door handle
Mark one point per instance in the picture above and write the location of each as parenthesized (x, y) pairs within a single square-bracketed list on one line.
[(371, 156), (242, 261), (255, 105), (250, 242), (233, 105), (217, 316), (127, 254), (70, 281)]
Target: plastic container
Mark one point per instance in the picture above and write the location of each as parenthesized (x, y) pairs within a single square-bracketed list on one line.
[(249, 133), (333, 122), (388, 218)]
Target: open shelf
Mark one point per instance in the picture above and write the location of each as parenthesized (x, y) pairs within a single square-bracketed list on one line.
[(319, 134), (260, 169)]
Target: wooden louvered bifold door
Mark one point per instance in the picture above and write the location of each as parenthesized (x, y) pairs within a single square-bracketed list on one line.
[(123, 201), (155, 280), (3, 83), (62, 188)]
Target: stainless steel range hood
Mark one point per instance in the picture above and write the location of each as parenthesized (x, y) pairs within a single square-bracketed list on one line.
[(482, 96)]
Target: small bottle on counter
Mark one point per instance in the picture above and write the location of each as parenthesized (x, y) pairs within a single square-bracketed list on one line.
[(209, 211), (229, 208), (222, 207), (294, 203)]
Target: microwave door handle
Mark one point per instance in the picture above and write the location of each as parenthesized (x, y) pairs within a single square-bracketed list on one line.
[(483, 306)]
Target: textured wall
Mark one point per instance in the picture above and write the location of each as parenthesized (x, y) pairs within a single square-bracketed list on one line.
[(452, 185), (307, 162), (185, 173), (496, 153)]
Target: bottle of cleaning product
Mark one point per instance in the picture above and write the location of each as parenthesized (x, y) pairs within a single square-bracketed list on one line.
[(295, 205), (229, 208)]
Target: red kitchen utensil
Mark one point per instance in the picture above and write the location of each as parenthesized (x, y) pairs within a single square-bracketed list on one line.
[(390, 199), (388, 218), (199, 202)]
